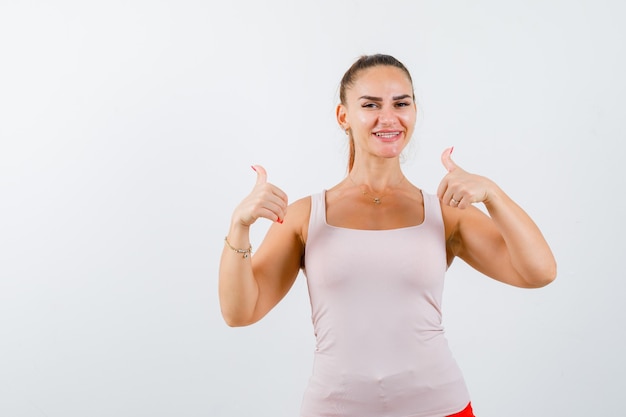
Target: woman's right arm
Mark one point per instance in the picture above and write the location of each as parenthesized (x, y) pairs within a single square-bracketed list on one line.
[(250, 286)]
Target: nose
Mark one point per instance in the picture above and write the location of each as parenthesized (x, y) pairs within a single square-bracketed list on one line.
[(386, 115)]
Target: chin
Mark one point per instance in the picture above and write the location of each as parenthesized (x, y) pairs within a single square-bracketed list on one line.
[(391, 153)]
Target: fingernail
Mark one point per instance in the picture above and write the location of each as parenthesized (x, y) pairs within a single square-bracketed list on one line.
[(451, 149), (280, 221), (252, 166)]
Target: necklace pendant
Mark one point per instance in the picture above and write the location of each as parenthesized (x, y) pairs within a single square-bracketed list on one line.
[(376, 200)]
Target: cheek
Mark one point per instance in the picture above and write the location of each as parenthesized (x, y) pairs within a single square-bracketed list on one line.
[(409, 118), (368, 123), (409, 122), (363, 119)]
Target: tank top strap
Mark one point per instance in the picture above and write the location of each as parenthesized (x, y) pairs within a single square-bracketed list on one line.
[(432, 210), (318, 212)]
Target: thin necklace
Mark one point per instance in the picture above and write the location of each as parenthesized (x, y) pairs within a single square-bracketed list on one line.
[(375, 200)]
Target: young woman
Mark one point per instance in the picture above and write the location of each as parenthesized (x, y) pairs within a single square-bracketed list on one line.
[(374, 249)]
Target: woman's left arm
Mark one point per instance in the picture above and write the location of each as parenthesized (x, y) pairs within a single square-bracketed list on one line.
[(506, 245)]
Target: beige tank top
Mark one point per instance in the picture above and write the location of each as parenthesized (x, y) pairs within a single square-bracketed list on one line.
[(376, 311)]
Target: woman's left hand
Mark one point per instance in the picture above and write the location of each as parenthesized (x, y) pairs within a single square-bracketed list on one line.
[(460, 188), (504, 243)]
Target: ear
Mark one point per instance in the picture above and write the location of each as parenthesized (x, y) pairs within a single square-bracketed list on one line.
[(340, 113)]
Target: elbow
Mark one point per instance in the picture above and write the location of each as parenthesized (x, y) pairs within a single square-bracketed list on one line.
[(235, 313), (234, 323), (542, 277), (235, 320)]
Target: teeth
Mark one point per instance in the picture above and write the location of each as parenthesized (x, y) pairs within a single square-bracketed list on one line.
[(386, 135)]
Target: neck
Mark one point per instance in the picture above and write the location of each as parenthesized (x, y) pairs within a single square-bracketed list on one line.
[(376, 180)]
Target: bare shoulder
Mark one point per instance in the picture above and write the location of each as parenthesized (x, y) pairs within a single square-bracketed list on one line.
[(301, 206), (284, 243), (459, 223), (450, 220), (297, 217), (299, 211), (292, 232)]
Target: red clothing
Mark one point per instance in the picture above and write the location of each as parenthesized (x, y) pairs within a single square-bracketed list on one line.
[(467, 412)]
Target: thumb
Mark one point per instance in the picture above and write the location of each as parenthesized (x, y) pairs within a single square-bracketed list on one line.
[(447, 161), (261, 175)]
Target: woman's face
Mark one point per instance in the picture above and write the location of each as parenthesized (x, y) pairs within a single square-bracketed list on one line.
[(379, 111)]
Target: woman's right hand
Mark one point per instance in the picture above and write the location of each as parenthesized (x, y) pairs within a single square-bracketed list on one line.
[(265, 200)]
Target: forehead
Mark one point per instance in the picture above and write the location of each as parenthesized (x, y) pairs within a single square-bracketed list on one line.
[(381, 81)]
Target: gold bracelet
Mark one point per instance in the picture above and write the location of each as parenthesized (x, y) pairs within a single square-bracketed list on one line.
[(246, 252)]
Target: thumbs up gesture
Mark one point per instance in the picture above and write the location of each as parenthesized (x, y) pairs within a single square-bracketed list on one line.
[(265, 200), (459, 188)]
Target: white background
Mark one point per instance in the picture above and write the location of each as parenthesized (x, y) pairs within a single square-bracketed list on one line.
[(127, 131)]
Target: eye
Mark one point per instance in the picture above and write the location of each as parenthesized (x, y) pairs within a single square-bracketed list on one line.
[(403, 104), (369, 105)]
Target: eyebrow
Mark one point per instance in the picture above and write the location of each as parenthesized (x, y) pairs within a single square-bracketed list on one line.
[(372, 98)]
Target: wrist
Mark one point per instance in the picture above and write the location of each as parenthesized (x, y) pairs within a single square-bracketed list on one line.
[(493, 194), (245, 251)]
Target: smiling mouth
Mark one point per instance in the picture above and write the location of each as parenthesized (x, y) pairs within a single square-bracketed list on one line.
[(387, 135)]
